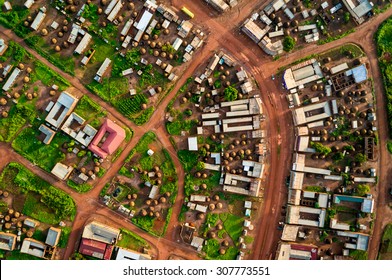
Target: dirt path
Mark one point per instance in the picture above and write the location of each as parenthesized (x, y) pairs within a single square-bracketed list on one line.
[(223, 31)]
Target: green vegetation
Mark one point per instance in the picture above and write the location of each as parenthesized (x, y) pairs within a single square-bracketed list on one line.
[(132, 105), (233, 225), (47, 76), (347, 17), (45, 156), (188, 159), (65, 233), (320, 148), (144, 116), (131, 241), (39, 211), (177, 126), (211, 182), (361, 158), (88, 108), (288, 43), (362, 190), (314, 189), (212, 219), (389, 146), (385, 252), (231, 93), (18, 179), (212, 251), (18, 115), (359, 255), (384, 47), (80, 188)]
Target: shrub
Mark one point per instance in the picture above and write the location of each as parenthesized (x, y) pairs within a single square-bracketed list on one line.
[(231, 93), (288, 43)]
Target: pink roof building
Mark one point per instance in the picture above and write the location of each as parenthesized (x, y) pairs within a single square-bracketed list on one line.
[(108, 139), (95, 249)]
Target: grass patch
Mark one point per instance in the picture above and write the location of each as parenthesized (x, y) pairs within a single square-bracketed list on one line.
[(65, 233), (132, 241), (88, 108), (39, 211), (45, 156), (19, 114), (188, 159), (359, 255), (212, 251), (233, 225), (47, 76), (18, 179), (80, 188)]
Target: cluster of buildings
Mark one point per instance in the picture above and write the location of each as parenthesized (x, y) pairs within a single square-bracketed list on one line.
[(311, 209), (264, 28), (31, 246), (99, 241), (102, 142)]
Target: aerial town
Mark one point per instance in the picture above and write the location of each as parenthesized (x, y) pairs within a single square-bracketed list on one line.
[(195, 130)]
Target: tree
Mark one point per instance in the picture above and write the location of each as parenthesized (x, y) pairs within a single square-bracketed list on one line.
[(288, 43), (188, 112), (338, 156), (231, 93), (346, 17), (362, 190), (320, 148), (361, 158), (200, 166)]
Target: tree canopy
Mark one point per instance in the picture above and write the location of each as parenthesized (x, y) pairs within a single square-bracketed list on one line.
[(288, 43), (231, 93)]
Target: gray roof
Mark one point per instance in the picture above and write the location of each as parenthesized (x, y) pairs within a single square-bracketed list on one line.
[(53, 236), (100, 232)]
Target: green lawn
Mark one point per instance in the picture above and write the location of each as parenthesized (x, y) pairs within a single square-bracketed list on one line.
[(39, 211), (385, 252), (47, 76), (132, 241), (65, 233), (212, 251), (80, 188), (88, 108), (45, 156), (17, 179), (233, 225)]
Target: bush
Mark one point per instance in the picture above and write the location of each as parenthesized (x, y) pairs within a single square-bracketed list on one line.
[(231, 93), (320, 148), (288, 43)]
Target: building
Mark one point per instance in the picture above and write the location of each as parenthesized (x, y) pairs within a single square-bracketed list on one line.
[(31, 223), (144, 20), (299, 165), (74, 127), (108, 139), (305, 216), (253, 168), (290, 233), (38, 20), (366, 203), (34, 247), (184, 28), (253, 31), (127, 254), (241, 185), (7, 241), (358, 9), (83, 43), (311, 113), (356, 241), (3, 46), (219, 5), (350, 77), (28, 3), (269, 47), (61, 171), (53, 237), (192, 144), (101, 232), (113, 14), (11, 80), (302, 74), (102, 70), (61, 109), (49, 134), (96, 249), (292, 251)]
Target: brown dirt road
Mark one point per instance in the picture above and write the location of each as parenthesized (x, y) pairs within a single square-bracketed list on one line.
[(223, 32)]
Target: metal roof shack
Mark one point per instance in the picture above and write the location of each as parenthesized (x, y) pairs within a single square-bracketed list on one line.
[(83, 43), (269, 47), (11, 79), (358, 9), (338, 68), (95, 249), (361, 240), (101, 232), (296, 180), (311, 113), (61, 109), (127, 254), (250, 186), (7, 241), (184, 28), (192, 144), (113, 14), (38, 20), (33, 247), (219, 5), (305, 216), (29, 3), (367, 204), (290, 233), (53, 237), (253, 31), (74, 127), (287, 251), (144, 20), (101, 71), (49, 133), (108, 139), (61, 171), (302, 74), (3, 46)]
